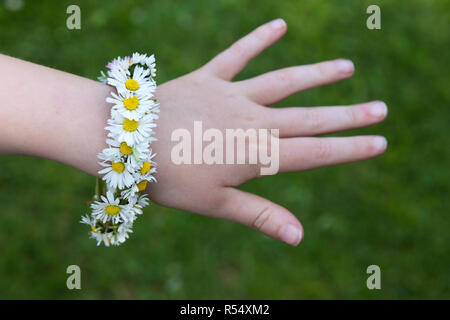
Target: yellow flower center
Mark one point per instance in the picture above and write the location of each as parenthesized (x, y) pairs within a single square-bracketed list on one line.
[(130, 125), (142, 185), (112, 210), (145, 167), (125, 149), (118, 166), (131, 103), (132, 84), (94, 230)]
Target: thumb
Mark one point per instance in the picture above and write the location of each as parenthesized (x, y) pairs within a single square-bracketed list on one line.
[(262, 215)]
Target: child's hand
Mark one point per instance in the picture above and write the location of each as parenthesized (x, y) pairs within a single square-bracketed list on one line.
[(60, 116), (209, 95)]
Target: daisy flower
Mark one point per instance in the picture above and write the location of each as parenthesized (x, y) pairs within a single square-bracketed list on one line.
[(110, 209), (145, 171), (122, 233), (138, 58), (136, 163), (121, 150), (144, 60), (109, 238), (132, 193), (130, 105), (102, 237), (97, 232), (139, 83), (119, 63), (118, 235), (142, 174), (141, 202), (111, 235), (90, 222), (116, 174), (151, 64), (132, 131)]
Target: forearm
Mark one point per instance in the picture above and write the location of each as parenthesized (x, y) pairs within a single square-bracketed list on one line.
[(51, 114)]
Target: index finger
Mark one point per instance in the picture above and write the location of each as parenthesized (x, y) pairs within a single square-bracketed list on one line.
[(230, 62)]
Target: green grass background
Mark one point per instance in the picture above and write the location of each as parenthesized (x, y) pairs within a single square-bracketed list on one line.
[(392, 211)]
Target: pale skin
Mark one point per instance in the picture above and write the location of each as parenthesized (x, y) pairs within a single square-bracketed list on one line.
[(55, 115)]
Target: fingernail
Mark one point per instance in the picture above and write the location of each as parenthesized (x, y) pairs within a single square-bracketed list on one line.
[(278, 24), (378, 109), (380, 143), (291, 234), (345, 66)]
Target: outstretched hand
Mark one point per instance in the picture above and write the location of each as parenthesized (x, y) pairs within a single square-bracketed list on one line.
[(208, 94)]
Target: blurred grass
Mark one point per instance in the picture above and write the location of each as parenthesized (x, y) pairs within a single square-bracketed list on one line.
[(391, 211)]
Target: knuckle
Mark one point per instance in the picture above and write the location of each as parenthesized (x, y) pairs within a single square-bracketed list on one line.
[(322, 151), (219, 200), (263, 217), (286, 76), (239, 48), (322, 70), (314, 119), (351, 114)]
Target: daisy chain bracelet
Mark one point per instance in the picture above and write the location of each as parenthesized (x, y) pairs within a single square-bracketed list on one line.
[(128, 159)]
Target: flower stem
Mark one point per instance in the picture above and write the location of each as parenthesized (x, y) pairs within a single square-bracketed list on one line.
[(99, 187)]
